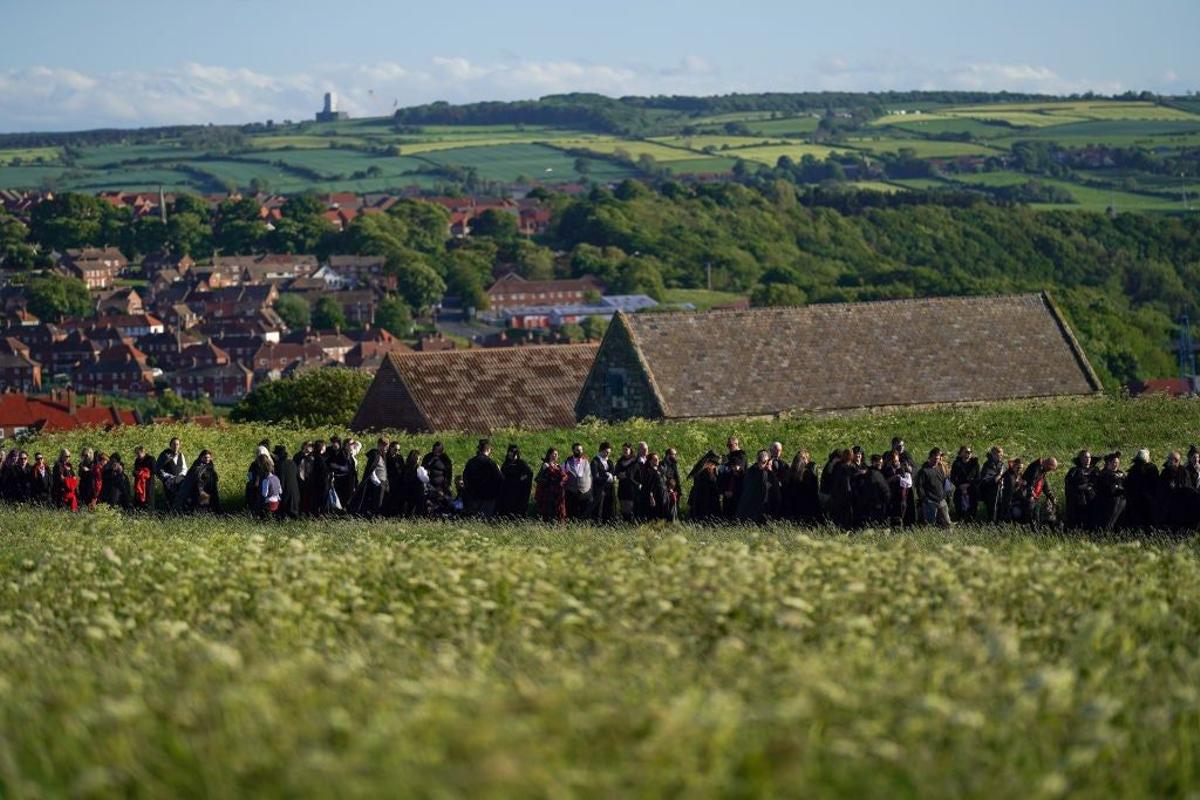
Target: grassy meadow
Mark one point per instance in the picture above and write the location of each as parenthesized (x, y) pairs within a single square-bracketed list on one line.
[(143, 656)]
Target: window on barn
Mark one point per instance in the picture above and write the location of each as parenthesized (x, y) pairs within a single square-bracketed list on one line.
[(615, 386)]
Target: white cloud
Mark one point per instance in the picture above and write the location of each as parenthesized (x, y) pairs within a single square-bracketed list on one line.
[(52, 98), (41, 97), (902, 73)]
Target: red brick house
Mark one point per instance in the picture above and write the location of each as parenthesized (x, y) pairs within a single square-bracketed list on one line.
[(17, 369), (512, 291), (222, 383), (95, 266), (121, 369)]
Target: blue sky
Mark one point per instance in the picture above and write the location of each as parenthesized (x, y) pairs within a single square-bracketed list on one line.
[(68, 64)]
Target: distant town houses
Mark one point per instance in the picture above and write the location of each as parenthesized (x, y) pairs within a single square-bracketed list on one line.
[(206, 324)]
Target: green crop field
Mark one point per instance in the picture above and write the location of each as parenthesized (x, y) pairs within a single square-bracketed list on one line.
[(789, 126), (700, 166), (29, 155), (195, 657), (633, 147), (716, 141), (922, 148), (536, 161), (28, 177), (770, 154)]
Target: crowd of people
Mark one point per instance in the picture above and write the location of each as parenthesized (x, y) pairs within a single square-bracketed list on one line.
[(850, 489)]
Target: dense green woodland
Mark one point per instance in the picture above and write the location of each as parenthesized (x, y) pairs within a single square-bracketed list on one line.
[(1122, 280)]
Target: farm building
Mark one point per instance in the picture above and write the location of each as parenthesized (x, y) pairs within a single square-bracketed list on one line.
[(478, 390), (835, 356)]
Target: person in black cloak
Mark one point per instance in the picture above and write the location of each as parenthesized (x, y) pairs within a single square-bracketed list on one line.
[(754, 502), (515, 486), (1167, 507), (1189, 484), (394, 461), (731, 475), (115, 490), (704, 500), (673, 480), (964, 475), (317, 481), (371, 492), (825, 488), (17, 479), (991, 486), (482, 481), (289, 480), (1141, 485), (604, 483), (627, 487), (343, 470), (874, 495), (1110, 494), (39, 481), (779, 478), (411, 496), (440, 469), (802, 500), (841, 490), (654, 500), (1080, 492), (199, 491)]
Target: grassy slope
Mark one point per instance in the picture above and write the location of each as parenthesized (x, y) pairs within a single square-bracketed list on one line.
[(220, 659), (224, 657)]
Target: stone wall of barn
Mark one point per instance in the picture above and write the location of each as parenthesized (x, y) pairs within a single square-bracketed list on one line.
[(388, 405), (617, 387)]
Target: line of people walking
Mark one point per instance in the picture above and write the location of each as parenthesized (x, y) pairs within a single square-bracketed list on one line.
[(851, 489)]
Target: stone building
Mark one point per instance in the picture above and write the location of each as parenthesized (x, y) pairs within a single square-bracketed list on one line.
[(765, 361), (478, 390)]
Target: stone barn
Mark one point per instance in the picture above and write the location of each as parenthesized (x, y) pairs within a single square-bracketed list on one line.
[(766, 361), (476, 390)]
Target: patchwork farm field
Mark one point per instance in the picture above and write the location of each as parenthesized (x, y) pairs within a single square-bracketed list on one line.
[(335, 156), (184, 657)]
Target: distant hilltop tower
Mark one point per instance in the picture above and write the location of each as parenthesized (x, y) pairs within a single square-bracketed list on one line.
[(330, 112)]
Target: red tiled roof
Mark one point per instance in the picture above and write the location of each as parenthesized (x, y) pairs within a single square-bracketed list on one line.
[(42, 414)]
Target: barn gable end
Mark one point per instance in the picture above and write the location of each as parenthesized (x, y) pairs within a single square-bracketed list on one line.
[(619, 384), (388, 405), (477, 390)]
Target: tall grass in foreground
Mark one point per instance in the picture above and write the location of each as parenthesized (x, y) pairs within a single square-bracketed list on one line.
[(215, 657)]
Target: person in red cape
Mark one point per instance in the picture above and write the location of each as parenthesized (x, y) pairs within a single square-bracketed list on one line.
[(549, 494)]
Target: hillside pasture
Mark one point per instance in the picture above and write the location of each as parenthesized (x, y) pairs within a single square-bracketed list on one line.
[(716, 141), (29, 155), (633, 147), (700, 166), (788, 127), (112, 155), (535, 161), (770, 154), (921, 148), (29, 177)]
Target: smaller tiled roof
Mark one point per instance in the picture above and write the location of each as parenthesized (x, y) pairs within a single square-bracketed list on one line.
[(477, 390), (19, 410)]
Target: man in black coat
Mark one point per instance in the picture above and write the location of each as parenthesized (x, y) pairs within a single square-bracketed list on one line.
[(604, 481), (289, 481), (171, 468), (342, 465), (1080, 492), (38, 486), (964, 476), (756, 488), (731, 475), (779, 478), (481, 482), (874, 495)]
